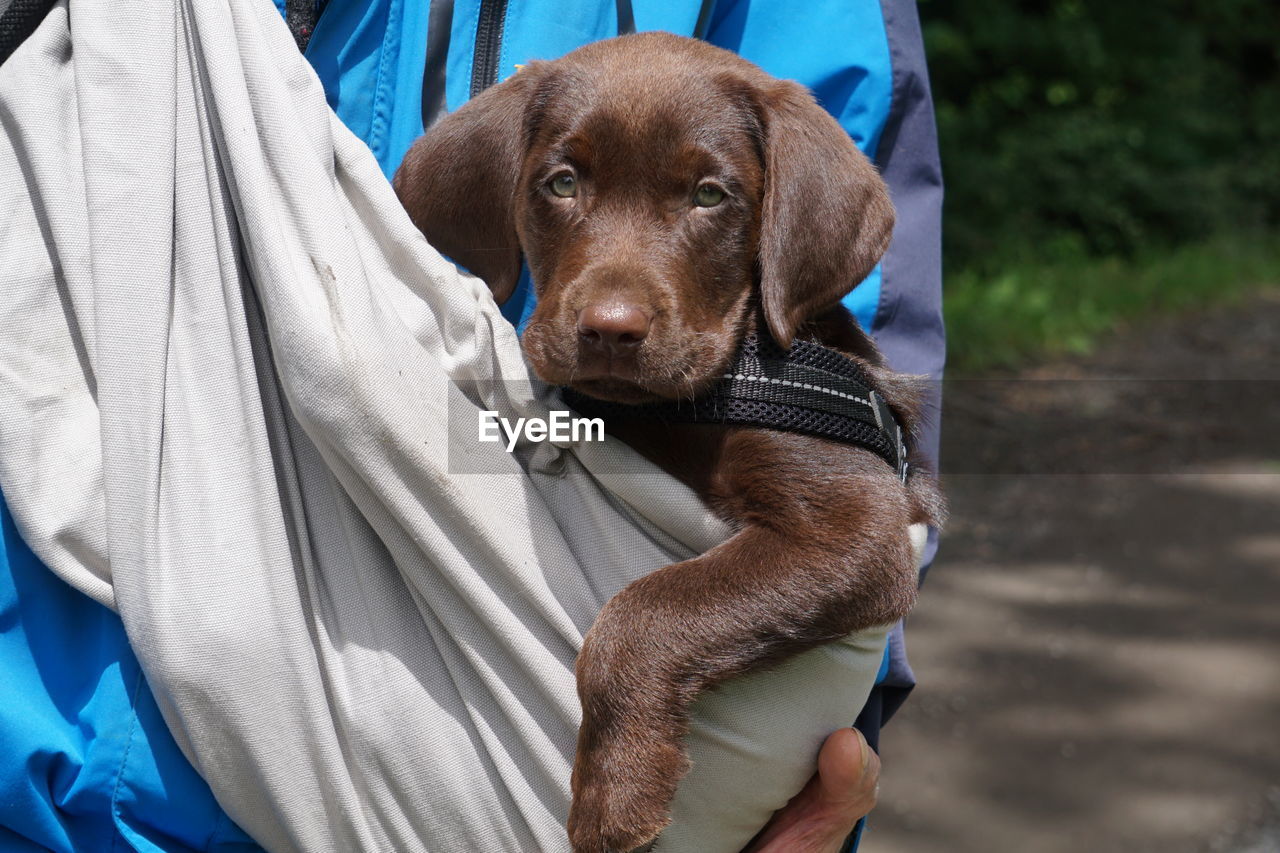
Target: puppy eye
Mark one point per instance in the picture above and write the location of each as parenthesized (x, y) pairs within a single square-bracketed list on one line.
[(708, 195), (564, 186)]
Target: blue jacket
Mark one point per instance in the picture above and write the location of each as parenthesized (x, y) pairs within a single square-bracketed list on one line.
[(86, 762)]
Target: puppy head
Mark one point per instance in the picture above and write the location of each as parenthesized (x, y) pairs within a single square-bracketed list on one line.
[(665, 193)]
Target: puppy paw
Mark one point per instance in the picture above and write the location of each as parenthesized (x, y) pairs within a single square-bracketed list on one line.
[(621, 792), (630, 746)]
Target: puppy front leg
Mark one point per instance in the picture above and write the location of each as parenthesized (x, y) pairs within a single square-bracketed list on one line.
[(761, 597)]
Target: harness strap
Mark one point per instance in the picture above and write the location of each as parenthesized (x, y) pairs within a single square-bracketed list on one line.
[(809, 389)]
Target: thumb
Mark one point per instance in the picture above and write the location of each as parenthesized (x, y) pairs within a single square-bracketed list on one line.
[(848, 769)]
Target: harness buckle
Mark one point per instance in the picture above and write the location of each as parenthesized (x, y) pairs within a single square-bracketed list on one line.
[(884, 414)]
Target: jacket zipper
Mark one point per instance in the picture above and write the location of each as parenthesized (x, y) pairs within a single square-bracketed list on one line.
[(484, 64)]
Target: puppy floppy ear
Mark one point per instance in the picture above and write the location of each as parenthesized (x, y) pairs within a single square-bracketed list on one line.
[(458, 182), (826, 218)]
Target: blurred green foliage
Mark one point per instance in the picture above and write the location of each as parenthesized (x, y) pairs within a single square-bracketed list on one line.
[(1000, 319), (1076, 128)]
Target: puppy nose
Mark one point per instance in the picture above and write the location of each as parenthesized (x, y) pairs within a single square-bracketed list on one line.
[(614, 327)]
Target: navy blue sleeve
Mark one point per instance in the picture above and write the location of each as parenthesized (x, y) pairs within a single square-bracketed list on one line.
[(908, 322)]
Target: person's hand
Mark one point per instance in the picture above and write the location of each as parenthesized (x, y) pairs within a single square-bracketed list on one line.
[(820, 817)]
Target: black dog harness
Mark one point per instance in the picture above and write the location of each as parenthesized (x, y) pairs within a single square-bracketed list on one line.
[(809, 389)]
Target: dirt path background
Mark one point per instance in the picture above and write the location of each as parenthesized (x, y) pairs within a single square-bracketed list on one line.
[(1098, 645)]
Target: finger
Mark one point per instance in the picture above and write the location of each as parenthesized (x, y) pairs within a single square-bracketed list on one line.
[(819, 818), (848, 770)]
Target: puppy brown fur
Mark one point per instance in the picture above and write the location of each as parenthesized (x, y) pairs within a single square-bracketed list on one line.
[(668, 197)]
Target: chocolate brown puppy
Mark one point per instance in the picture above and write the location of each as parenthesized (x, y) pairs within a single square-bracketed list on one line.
[(670, 198)]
